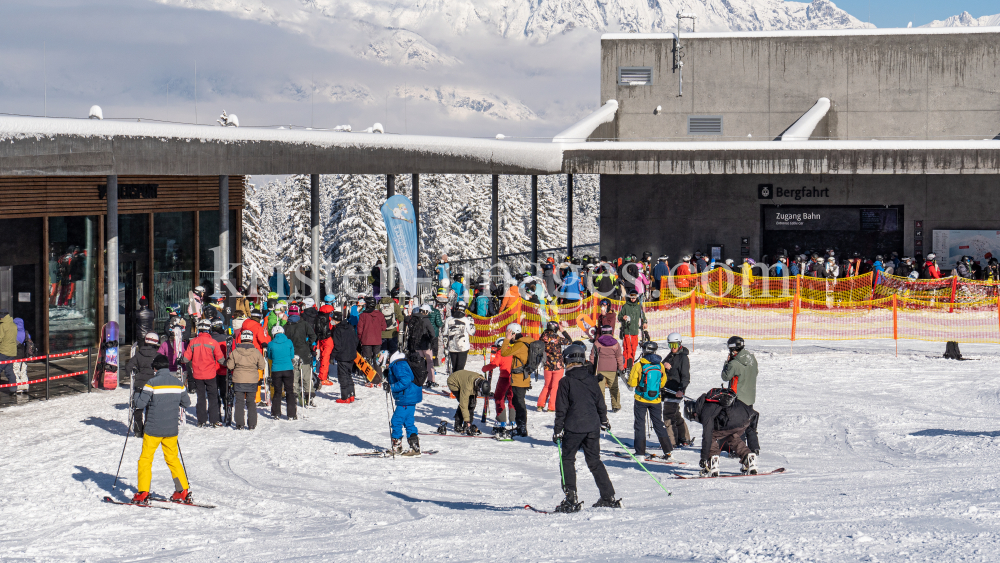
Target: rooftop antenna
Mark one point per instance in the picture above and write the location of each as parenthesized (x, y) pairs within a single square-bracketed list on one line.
[(196, 92), (312, 101), (678, 63), (45, 83)]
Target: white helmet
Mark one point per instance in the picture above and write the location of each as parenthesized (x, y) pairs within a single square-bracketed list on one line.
[(931, 256), (673, 337), (514, 327), (151, 338), (819, 260), (396, 357), (278, 329), (308, 302)]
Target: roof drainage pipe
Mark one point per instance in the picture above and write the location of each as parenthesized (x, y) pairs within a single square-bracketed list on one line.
[(580, 131), (803, 128)]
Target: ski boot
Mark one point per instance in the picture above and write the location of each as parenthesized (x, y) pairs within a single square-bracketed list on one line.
[(183, 497), (750, 464), (608, 503), (521, 431), (472, 430), (414, 450), (570, 503), (397, 446), (498, 431), (442, 428), (142, 497), (709, 468)]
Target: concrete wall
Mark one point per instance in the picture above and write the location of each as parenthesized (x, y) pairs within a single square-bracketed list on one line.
[(885, 86), (681, 214)]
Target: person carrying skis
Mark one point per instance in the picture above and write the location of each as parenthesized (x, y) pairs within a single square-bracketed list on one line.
[(393, 315), (503, 394), (633, 319), (466, 386), (140, 369), (606, 355), (580, 417), (247, 363), (371, 324), (724, 418), (204, 354), (303, 338), (437, 323), (678, 377), (647, 377), (345, 350), (740, 370), (553, 364), (161, 398), (516, 346), (606, 316), (406, 394)]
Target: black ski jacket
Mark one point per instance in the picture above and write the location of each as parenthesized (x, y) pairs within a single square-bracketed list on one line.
[(145, 320), (679, 375), (420, 334), (713, 417), (345, 342), (302, 335), (142, 363), (580, 407)]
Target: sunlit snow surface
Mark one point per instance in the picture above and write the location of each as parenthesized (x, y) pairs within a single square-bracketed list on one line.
[(889, 459)]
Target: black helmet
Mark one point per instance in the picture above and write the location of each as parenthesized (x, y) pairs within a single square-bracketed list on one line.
[(689, 412), (369, 304), (218, 326), (606, 329), (633, 293), (575, 353), (735, 343), (649, 348), (482, 387), (878, 257), (553, 326), (256, 315), (457, 277), (606, 303)]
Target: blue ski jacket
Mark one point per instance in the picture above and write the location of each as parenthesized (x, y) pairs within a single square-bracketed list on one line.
[(281, 351), (404, 391)]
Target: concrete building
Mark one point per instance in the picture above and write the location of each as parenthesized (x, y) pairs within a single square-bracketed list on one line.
[(879, 137)]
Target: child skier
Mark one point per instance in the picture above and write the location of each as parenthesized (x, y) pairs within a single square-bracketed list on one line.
[(647, 377), (161, 398), (503, 393), (406, 394)]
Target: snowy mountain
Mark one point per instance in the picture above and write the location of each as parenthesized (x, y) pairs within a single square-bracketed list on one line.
[(965, 19), (466, 43)]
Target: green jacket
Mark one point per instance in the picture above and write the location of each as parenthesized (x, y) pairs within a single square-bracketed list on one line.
[(462, 384), (436, 322), (8, 337), (637, 317), (741, 373)]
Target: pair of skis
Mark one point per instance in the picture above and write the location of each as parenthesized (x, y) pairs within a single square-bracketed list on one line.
[(162, 503)]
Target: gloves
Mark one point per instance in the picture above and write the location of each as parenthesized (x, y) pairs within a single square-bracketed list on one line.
[(606, 426), (489, 367), (558, 436), (385, 385)]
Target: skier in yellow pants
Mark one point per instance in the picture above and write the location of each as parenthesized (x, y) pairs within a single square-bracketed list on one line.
[(161, 398)]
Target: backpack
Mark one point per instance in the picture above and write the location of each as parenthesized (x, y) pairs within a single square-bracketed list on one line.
[(648, 387), (536, 355), (418, 365), (389, 312), (493, 308), (725, 397)]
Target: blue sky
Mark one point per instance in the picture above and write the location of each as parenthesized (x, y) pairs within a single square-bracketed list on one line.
[(897, 13)]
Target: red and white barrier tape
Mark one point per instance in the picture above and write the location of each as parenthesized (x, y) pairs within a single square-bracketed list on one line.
[(35, 358), (34, 381)]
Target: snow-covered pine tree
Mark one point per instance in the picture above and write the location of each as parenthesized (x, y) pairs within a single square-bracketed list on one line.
[(551, 212), (355, 232), (257, 245), (295, 246), (514, 210)]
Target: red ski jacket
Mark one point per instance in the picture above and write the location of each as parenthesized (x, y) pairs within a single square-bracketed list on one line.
[(205, 355)]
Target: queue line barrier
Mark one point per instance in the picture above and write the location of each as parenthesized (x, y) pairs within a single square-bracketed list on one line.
[(48, 377), (899, 316)]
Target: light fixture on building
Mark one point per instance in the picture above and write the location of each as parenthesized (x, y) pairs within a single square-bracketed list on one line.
[(96, 113)]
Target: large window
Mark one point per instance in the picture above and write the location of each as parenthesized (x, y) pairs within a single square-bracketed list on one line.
[(72, 291), (208, 233), (173, 259)]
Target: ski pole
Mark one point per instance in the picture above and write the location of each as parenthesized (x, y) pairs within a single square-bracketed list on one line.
[(639, 462), (128, 432), (186, 474), (562, 472)]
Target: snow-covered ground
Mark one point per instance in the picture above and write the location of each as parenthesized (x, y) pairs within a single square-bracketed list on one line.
[(888, 459)]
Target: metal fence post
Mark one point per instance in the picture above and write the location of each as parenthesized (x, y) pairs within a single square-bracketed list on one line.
[(90, 367), (46, 377)]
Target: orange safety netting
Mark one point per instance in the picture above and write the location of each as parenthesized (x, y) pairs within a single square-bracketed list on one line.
[(825, 315)]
